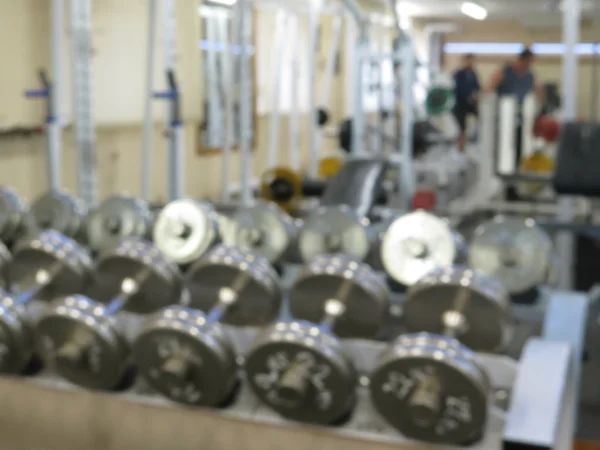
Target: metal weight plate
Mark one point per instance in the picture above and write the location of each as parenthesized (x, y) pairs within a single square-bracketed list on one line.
[(13, 212), (430, 388), (248, 275), (331, 230), (185, 229), (416, 243), (160, 282), (5, 260), (462, 303), (117, 217), (59, 211), (366, 296), (263, 228), (186, 359), (282, 186), (515, 251), (302, 373), (82, 344)]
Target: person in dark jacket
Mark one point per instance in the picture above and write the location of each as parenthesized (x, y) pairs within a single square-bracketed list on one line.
[(466, 90), (516, 78)]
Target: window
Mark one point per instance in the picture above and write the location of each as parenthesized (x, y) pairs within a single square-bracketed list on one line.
[(512, 48)]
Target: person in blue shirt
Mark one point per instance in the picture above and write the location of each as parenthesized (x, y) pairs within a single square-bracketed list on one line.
[(466, 89), (516, 78)]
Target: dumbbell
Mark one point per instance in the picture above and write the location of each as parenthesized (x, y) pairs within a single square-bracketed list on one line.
[(15, 219), (5, 260), (186, 229), (82, 340), (60, 211), (514, 251), (42, 267), (263, 228), (431, 388), (415, 243), (299, 368), (117, 217), (184, 353)]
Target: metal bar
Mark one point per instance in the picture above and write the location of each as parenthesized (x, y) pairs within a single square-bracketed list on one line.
[(245, 81), (229, 116), (54, 117), (85, 134), (356, 11), (594, 80), (406, 174), (294, 119), (358, 113), (334, 48), (571, 20), (176, 172), (212, 77), (313, 37), (277, 71), (148, 138)]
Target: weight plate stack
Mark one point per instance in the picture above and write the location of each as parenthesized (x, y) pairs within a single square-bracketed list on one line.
[(186, 229), (334, 230), (265, 229), (60, 211), (514, 251), (118, 217), (431, 388), (463, 302), (418, 242), (367, 298), (302, 373), (185, 358), (225, 266)]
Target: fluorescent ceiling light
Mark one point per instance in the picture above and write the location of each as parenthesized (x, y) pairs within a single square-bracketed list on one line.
[(473, 10), (223, 2)]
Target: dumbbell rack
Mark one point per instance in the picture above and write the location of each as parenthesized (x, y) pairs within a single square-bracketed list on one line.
[(542, 386)]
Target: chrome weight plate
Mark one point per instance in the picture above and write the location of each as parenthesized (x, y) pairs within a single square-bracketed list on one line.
[(460, 302), (515, 251), (247, 275), (5, 260), (185, 358), (13, 215), (60, 211), (302, 373), (332, 230), (430, 388), (366, 295), (82, 344), (263, 228), (185, 229), (135, 258), (416, 243), (117, 217)]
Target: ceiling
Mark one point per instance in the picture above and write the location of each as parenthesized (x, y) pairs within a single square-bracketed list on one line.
[(495, 8)]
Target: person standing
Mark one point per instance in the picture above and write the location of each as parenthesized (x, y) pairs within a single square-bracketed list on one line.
[(516, 78), (466, 90)]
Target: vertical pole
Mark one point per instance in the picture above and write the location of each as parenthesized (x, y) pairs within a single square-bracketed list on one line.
[(277, 66), (176, 175), (212, 77), (85, 134), (148, 138), (245, 80), (566, 213), (54, 119), (594, 84), (294, 124), (408, 66), (313, 36), (229, 92), (358, 125)]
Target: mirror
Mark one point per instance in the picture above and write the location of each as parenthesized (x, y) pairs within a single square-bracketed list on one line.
[(217, 53)]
